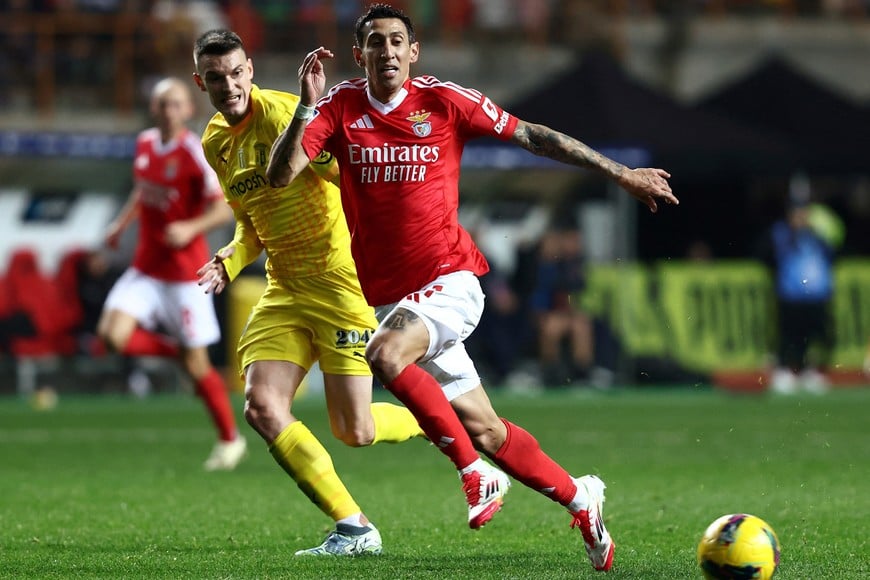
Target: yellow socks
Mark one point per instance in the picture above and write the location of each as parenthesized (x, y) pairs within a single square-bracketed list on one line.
[(298, 451), (394, 424)]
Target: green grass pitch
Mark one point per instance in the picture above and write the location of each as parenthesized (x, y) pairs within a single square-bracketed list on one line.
[(111, 487)]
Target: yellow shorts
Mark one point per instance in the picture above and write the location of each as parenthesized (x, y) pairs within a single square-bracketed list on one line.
[(318, 318)]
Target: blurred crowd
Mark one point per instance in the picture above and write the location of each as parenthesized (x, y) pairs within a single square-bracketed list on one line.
[(535, 331), (78, 45)]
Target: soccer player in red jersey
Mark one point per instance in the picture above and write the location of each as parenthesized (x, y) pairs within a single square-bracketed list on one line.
[(177, 199), (399, 141)]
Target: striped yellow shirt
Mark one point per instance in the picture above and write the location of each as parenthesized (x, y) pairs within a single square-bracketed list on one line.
[(301, 227)]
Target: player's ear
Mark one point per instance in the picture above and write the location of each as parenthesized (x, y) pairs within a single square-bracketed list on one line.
[(357, 57), (251, 67), (415, 51), (198, 80)]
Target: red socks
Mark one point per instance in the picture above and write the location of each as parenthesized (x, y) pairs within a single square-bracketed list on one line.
[(521, 457), (146, 343), (213, 391), (422, 395)]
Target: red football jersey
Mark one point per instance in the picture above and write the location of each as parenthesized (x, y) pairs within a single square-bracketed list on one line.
[(173, 182), (400, 178)]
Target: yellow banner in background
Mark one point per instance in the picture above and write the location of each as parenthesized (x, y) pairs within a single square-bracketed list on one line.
[(851, 312), (619, 294), (718, 315)]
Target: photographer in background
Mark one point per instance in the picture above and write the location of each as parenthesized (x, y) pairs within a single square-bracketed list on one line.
[(801, 260)]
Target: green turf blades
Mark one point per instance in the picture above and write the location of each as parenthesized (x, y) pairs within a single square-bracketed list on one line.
[(108, 487)]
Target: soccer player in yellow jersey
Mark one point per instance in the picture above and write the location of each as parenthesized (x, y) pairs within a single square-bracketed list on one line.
[(312, 309)]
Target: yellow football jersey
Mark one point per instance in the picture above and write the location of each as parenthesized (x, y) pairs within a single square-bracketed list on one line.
[(301, 227)]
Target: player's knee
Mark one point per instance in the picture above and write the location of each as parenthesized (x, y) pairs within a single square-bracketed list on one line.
[(386, 359), (252, 413), (259, 409)]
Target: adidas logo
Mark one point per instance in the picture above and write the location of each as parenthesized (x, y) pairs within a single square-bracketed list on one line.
[(363, 122), (492, 489), (599, 527)]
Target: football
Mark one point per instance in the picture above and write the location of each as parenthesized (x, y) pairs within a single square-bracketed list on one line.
[(739, 546)]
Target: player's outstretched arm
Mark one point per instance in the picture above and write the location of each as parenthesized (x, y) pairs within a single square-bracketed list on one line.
[(287, 158), (647, 185)]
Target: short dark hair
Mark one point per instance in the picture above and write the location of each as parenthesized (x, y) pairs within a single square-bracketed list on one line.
[(377, 11), (217, 42)]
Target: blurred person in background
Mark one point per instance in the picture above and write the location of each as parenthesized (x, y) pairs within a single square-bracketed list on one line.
[(801, 261), (399, 143), (14, 324), (312, 309), (177, 199), (560, 278), (96, 274), (500, 336)]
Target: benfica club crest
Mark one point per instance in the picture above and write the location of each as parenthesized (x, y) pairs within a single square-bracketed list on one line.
[(421, 126), (170, 171)]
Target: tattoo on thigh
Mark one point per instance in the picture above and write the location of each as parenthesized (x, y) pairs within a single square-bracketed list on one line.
[(400, 319)]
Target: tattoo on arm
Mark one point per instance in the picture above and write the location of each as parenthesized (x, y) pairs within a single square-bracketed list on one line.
[(401, 319), (546, 142), (280, 170)]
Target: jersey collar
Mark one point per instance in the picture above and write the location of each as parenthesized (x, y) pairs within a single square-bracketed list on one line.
[(386, 108), (162, 148)]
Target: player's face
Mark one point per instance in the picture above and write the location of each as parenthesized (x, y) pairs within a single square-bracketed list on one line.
[(227, 79), (386, 55), (171, 108)]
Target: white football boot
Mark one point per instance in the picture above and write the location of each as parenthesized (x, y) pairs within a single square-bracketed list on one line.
[(226, 455), (484, 491), (348, 540), (599, 545)]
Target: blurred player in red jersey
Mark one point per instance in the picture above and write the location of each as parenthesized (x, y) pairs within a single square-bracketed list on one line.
[(177, 199), (399, 143)]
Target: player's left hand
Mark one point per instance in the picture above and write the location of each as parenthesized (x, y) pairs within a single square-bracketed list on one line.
[(213, 274), (312, 76), (179, 234), (648, 185)]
